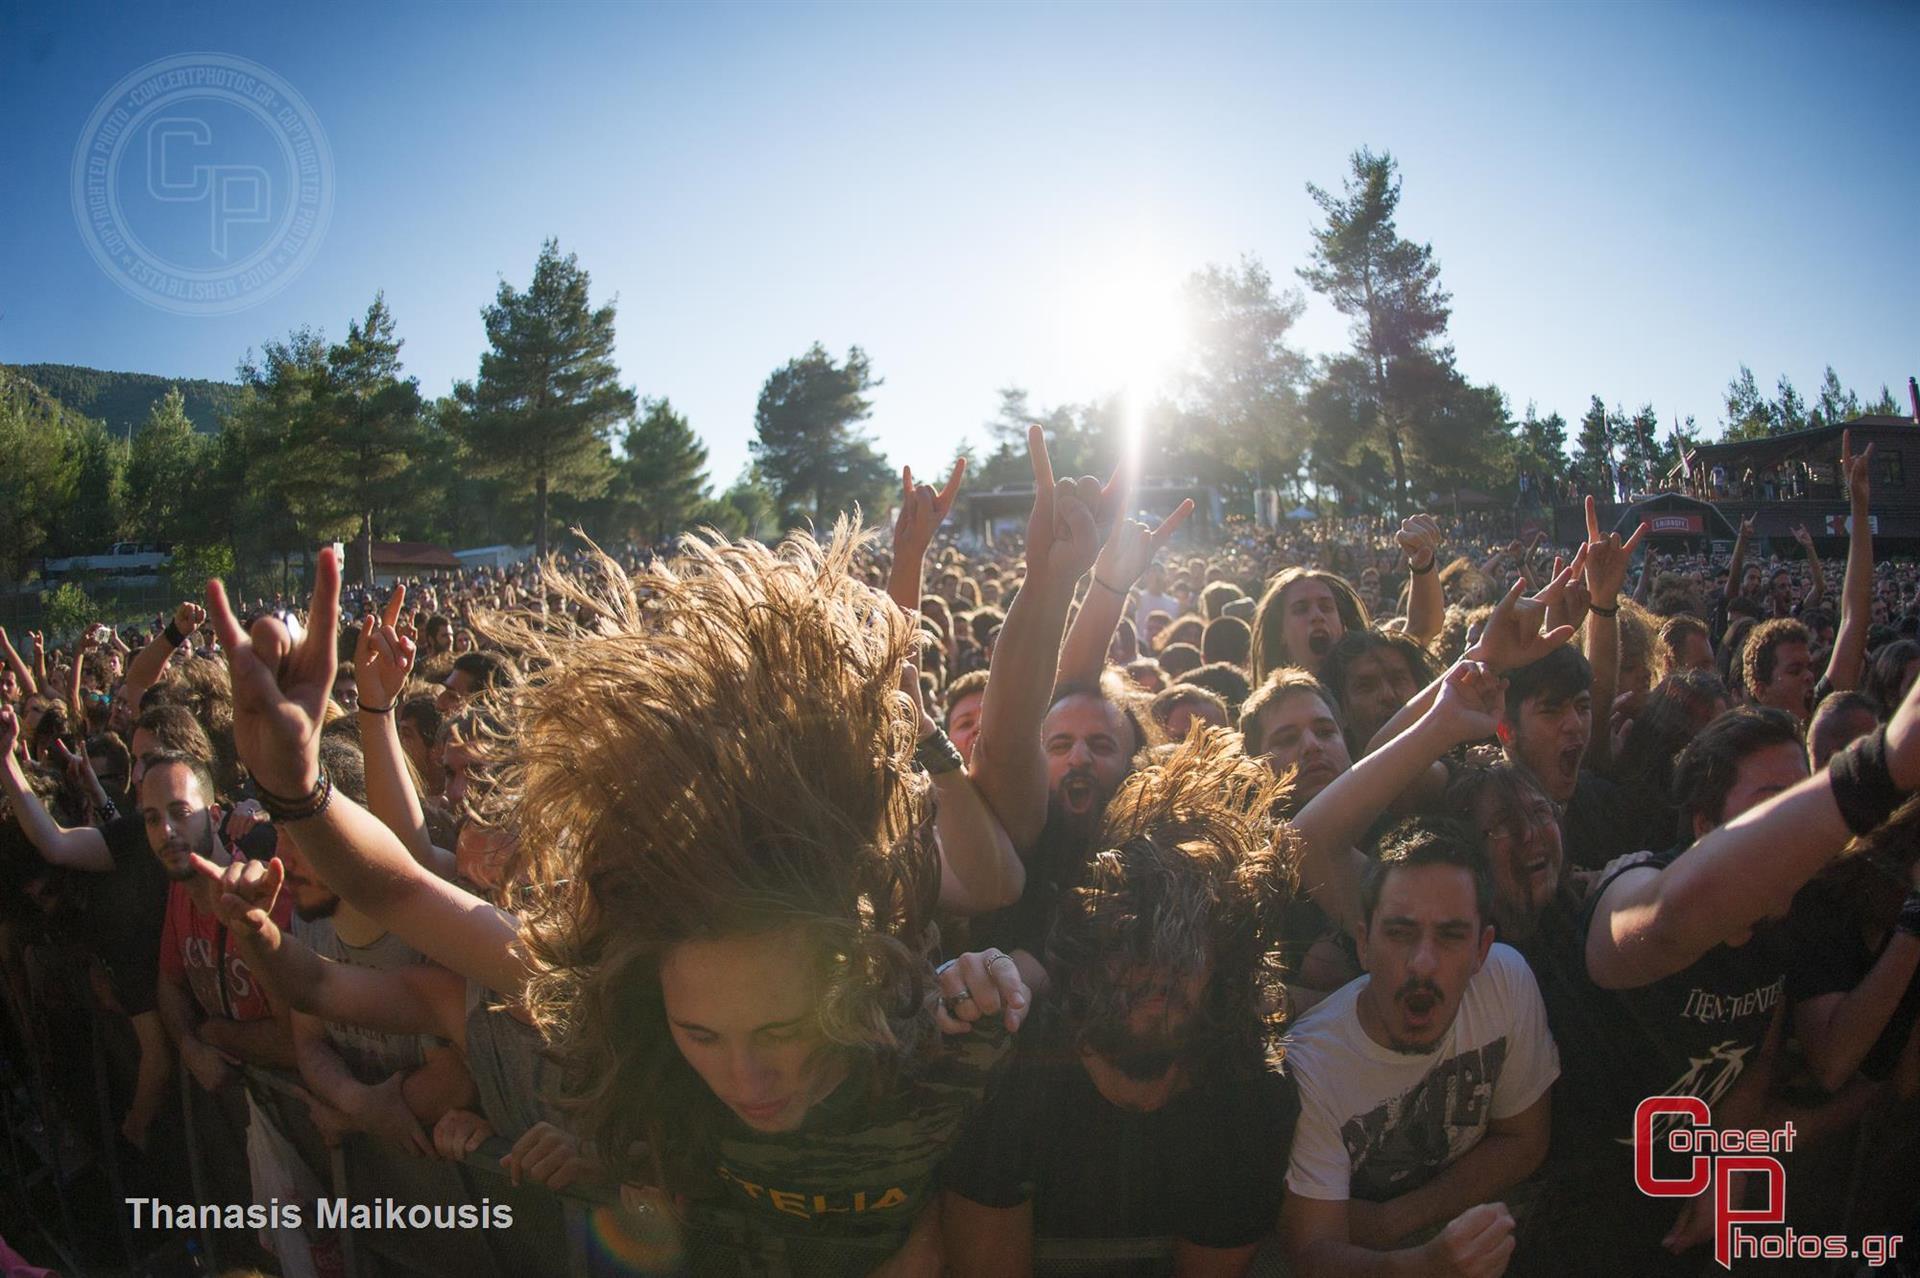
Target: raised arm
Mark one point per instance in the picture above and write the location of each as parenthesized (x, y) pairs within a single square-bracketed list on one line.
[(151, 661), (280, 690), (1818, 590), (38, 646), (1009, 765), (1426, 603), (1465, 709), (979, 870), (1607, 560), (1845, 667), (922, 511), (381, 662), (1653, 922), (1512, 638), (20, 671), (76, 708), (1124, 557), (79, 849), (1738, 563)]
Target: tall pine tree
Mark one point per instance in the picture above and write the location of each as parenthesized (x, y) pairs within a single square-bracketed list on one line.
[(664, 475), (161, 472), (806, 445), (1590, 451), (548, 394), (1398, 389)]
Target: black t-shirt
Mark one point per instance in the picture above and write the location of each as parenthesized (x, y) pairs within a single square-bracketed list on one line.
[(1210, 1167), (1699, 1028), (1604, 820), (1830, 956), (125, 910), (1691, 1033), (1056, 862)]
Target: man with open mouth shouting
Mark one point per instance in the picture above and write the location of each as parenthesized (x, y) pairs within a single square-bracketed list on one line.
[(1423, 1085)]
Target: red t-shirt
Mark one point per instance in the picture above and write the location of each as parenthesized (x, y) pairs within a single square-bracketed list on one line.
[(192, 943)]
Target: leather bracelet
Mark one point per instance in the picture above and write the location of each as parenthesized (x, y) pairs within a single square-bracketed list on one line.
[(936, 753), (1863, 785), (302, 809), (1421, 572), (386, 709), (1603, 612), (1909, 918), (1104, 586)]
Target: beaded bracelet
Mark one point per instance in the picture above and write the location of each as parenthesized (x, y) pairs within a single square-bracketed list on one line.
[(301, 809)]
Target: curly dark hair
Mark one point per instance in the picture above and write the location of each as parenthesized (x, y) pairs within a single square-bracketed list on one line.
[(723, 750), (1193, 878)]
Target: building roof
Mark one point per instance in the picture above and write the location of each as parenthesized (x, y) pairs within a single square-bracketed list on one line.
[(1795, 440)]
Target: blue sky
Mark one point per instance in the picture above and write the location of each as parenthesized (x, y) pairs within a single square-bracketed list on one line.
[(1626, 199)]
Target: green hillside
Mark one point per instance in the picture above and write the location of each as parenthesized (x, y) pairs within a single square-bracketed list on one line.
[(122, 400)]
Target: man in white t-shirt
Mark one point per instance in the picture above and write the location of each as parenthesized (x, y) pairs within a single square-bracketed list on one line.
[(1423, 1084)]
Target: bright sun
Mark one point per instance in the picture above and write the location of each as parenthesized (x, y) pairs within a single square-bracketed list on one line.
[(1122, 329), (1124, 326)]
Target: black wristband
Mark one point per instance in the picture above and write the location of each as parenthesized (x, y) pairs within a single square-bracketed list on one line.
[(1604, 612), (1421, 572), (1909, 919), (312, 804), (1862, 784), (386, 709), (174, 637), (937, 753)]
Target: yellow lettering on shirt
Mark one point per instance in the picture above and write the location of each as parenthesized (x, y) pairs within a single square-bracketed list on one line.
[(809, 1205)]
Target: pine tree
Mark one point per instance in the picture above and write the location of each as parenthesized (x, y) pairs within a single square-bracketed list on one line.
[(548, 394), (1789, 410), (1835, 403), (1591, 448), (806, 445), (1244, 383), (161, 472), (1398, 389), (664, 473), (1748, 416), (1641, 447), (361, 436)]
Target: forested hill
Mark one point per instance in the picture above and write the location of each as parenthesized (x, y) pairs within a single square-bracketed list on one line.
[(123, 400)]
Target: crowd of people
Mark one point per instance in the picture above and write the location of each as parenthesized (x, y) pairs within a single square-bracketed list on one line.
[(1326, 899)]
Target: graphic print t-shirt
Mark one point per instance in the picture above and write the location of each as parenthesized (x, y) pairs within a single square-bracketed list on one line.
[(841, 1193), (196, 946), (1698, 1029), (1376, 1123)]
